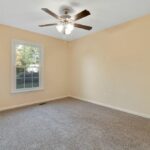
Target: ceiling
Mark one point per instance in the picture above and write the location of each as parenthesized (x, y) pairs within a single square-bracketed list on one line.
[(27, 14)]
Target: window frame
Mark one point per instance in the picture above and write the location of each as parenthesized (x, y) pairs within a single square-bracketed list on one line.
[(13, 67)]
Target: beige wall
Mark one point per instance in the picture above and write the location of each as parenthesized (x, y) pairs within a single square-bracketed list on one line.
[(112, 67), (55, 68)]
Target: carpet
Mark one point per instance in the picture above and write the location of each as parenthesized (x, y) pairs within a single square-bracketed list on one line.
[(70, 124)]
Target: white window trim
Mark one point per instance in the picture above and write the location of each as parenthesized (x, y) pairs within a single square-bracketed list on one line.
[(13, 67)]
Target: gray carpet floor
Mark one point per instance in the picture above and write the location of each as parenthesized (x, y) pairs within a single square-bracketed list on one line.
[(70, 124)]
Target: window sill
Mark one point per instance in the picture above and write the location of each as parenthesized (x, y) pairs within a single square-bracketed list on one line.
[(26, 90)]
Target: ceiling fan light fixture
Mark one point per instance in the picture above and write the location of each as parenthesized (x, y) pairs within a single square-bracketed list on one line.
[(67, 31), (66, 23), (65, 28), (69, 27)]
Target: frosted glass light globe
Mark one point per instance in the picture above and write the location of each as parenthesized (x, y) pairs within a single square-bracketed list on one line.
[(65, 28), (59, 27), (68, 31), (70, 27)]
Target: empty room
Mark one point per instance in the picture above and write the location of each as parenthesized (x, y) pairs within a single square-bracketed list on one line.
[(75, 75)]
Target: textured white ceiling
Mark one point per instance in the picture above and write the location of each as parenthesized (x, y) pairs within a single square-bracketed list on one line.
[(27, 14)]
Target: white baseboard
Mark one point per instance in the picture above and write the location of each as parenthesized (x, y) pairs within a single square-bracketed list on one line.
[(82, 99), (114, 107), (29, 104)]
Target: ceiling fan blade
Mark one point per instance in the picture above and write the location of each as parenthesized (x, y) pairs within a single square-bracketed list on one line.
[(50, 13), (45, 25), (83, 26), (82, 14)]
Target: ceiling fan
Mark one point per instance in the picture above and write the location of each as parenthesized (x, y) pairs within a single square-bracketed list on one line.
[(66, 23)]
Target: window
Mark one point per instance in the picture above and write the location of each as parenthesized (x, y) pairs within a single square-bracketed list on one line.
[(26, 66)]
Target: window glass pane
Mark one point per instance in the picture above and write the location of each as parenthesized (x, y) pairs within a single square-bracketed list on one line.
[(35, 82), (20, 73), (36, 72), (28, 73), (28, 82), (27, 55), (20, 83)]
